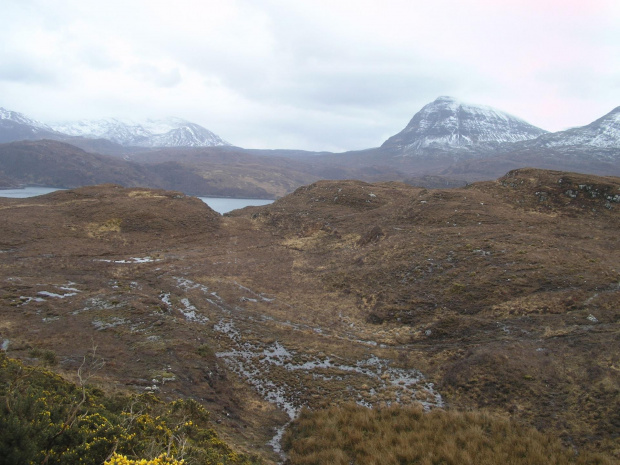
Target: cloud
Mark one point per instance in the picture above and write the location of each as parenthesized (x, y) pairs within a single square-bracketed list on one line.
[(25, 72), (163, 77), (324, 74)]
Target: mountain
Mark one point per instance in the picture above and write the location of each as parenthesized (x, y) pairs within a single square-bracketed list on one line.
[(447, 125), (594, 149), (16, 126), (463, 142), (169, 132), (604, 133)]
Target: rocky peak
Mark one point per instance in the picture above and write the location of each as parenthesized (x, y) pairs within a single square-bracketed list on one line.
[(169, 132), (15, 117), (602, 133), (447, 123)]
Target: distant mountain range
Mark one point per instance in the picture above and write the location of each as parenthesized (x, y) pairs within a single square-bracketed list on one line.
[(604, 133), (451, 140), (169, 132), (446, 143), (15, 126), (454, 131)]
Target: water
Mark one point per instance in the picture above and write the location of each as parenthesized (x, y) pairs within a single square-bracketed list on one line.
[(225, 205), (220, 205), (26, 192)]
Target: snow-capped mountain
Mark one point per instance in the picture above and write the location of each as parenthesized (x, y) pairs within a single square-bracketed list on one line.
[(170, 132), (8, 115), (602, 133), (16, 126), (447, 125)]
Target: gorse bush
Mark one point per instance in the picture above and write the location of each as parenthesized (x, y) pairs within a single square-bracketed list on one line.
[(118, 459), (407, 435), (46, 420)]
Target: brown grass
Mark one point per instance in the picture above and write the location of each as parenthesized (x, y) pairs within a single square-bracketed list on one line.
[(351, 434)]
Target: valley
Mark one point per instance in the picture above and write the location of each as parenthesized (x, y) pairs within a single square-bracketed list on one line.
[(502, 295)]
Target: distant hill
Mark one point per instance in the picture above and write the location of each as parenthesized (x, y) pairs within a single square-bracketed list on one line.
[(58, 164), (193, 171)]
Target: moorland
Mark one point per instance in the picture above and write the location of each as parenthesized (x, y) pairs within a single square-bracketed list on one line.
[(499, 298)]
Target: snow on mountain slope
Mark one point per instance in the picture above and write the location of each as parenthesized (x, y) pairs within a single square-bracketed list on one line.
[(170, 132), (602, 133), (448, 124), (116, 130), (16, 126), (15, 117)]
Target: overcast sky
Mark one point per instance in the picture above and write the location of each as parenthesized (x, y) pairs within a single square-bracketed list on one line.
[(317, 74)]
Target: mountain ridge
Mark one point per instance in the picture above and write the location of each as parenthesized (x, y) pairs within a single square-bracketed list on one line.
[(448, 124), (168, 132), (603, 132)]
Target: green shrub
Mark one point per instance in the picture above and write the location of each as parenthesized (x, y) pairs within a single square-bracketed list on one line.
[(45, 419)]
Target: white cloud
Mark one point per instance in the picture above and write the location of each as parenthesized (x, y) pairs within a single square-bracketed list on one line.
[(315, 74)]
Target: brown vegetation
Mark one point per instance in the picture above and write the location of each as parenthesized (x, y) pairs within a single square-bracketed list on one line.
[(502, 295), (392, 436)]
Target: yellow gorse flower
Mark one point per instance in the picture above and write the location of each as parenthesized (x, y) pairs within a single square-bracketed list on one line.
[(118, 459)]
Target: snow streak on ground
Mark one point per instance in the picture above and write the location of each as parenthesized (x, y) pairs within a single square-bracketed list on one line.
[(132, 260), (254, 361), (281, 375)]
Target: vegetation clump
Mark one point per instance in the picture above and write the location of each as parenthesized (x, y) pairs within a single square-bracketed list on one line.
[(45, 419), (408, 435)]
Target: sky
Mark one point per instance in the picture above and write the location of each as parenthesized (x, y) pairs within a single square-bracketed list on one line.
[(330, 75)]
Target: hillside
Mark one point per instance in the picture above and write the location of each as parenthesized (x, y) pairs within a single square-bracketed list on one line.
[(502, 295), (192, 171), (56, 164)]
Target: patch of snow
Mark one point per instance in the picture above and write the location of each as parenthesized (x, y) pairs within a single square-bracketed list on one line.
[(132, 260), (165, 298), (188, 284), (276, 441), (26, 300), (100, 325), (97, 303), (57, 296), (22, 119), (66, 288), (190, 312), (169, 132)]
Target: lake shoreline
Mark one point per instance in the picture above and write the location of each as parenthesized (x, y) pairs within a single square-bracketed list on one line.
[(221, 205)]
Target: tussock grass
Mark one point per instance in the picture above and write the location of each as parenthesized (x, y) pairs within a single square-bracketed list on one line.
[(351, 434)]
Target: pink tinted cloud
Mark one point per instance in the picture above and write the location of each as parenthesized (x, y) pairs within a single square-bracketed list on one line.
[(578, 9)]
